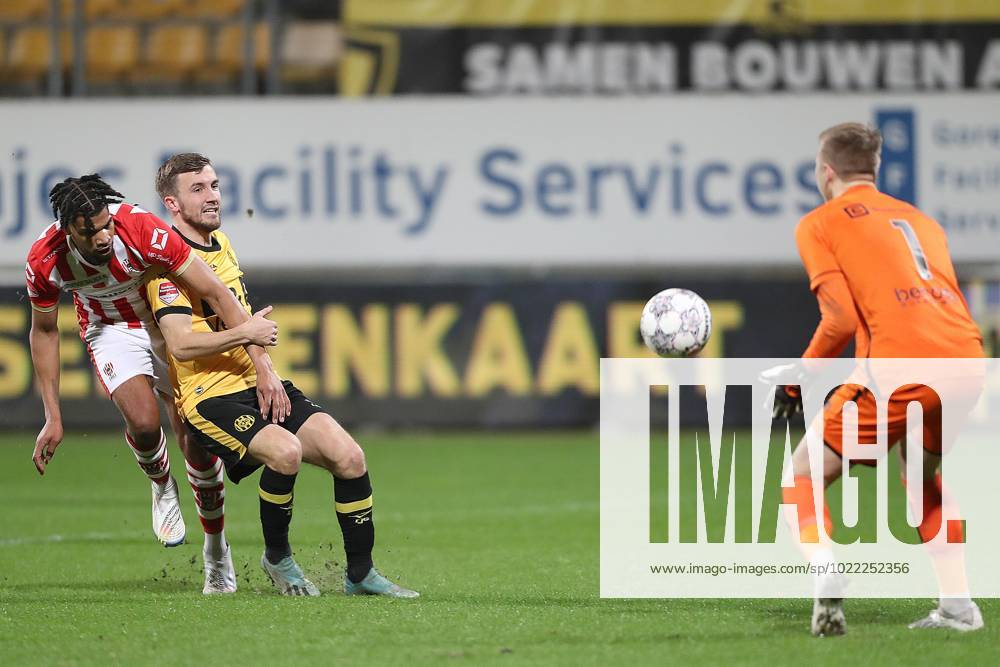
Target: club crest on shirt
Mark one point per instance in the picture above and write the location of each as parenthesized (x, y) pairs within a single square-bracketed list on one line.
[(168, 293)]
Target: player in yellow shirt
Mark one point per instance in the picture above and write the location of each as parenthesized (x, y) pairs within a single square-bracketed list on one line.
[(217, 396)]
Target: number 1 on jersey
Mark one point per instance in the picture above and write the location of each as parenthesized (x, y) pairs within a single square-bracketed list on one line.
[(919, 258)]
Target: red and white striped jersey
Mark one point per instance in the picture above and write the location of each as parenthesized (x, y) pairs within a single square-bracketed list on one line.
[(113, 293)]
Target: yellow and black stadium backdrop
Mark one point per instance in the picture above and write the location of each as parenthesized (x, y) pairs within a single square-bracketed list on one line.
[(657, 47), (518, 354)]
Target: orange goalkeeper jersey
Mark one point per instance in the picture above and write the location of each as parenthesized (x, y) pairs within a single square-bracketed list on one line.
[(898, 272)]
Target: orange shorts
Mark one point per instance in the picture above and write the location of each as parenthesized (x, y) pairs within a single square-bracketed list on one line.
[(896, 426)]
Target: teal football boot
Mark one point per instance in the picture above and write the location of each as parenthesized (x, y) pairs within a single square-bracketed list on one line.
[(287, 577), (375, 584)]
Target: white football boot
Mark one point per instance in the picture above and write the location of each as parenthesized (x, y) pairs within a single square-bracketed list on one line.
[(828, 617), (966, 620), (168, 522), (220, 576), (828, 604)]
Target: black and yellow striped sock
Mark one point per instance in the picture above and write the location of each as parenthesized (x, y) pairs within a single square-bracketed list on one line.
[(276, 493), (354, 513)]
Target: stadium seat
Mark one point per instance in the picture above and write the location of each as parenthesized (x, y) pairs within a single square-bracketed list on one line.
[(218, 9), (174, 53), (310, 50), (95, 9), (228, 52), (23, 10), (28, 58), (112, 52), (142, 10)]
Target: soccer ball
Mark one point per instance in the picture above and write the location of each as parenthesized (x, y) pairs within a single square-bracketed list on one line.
[(676, 322)]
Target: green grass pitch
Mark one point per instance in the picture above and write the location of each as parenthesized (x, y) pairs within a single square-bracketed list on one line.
[(498, 531)]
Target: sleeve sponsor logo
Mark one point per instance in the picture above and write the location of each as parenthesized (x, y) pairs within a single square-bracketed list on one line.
[(168, 293), (159, 240)]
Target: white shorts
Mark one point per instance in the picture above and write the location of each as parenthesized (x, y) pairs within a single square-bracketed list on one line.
[(119, 354)]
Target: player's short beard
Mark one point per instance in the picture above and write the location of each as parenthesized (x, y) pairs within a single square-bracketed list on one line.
[(198, 222)]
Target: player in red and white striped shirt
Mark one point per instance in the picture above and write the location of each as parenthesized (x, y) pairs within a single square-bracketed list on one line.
[(103, 251), (104, 289)]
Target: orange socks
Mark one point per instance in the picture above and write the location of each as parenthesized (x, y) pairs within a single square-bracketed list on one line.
[(801, 495), (931, 524)]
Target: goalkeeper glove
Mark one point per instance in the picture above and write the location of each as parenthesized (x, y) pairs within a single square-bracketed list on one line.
[(787, 397), (787, 401)]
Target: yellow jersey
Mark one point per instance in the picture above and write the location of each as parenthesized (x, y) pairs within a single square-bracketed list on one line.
[(220, 374)]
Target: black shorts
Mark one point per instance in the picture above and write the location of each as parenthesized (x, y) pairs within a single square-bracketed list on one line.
[(225, 425)]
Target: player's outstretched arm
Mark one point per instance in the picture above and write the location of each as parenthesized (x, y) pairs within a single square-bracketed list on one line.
[(44, 341), (838, 317), (198, 279), (185, 344)]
